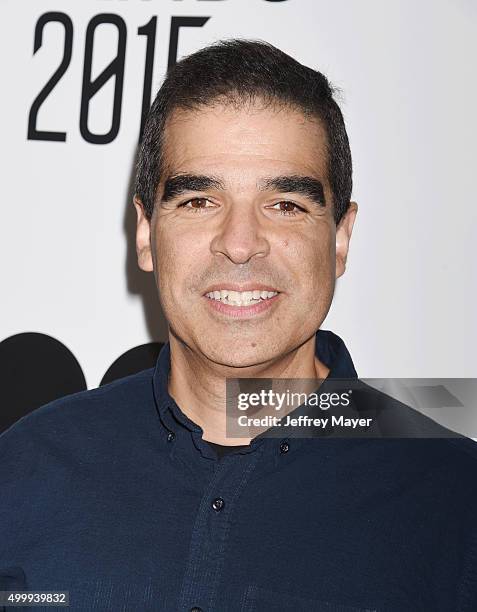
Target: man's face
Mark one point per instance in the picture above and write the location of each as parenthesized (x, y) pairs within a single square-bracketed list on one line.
[(244, 204)]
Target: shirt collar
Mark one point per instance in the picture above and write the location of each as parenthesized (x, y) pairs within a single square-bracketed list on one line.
[(329, 348)]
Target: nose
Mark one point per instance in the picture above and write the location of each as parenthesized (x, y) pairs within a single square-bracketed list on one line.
[(241, 235)]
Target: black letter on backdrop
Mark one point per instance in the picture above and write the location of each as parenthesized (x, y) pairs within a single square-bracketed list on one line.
[(181, 22), (33, 133), (91, 88), (148, 30)]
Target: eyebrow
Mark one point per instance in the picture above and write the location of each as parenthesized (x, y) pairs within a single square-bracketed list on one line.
[(307, 186), (176, 185)]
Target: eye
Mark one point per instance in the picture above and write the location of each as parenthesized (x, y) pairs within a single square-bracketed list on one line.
[(196, 204), (288, 208)]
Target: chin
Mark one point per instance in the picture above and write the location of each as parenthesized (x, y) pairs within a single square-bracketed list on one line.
[(239, 358)]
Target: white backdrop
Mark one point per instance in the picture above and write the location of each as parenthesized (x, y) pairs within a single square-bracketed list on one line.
[(406, 304)]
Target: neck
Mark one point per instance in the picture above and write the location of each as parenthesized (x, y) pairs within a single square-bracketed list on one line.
[(198, 384)]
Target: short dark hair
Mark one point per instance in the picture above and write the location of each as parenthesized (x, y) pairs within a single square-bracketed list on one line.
[(237, 71)]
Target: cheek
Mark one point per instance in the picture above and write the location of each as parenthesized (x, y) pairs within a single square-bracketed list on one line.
[(309, 252), (179, 254)]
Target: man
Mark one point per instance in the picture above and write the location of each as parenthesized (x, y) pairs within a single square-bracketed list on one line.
[(133, 496)]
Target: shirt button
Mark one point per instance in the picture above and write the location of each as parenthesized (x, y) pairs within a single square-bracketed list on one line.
[(170, 436), (218, 504), (284, 447), (196, 609)]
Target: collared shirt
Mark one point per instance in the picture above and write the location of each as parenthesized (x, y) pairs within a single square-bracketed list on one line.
[(113, 495), (222, 449)]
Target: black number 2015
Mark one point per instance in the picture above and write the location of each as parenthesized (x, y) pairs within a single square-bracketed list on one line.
[(114, 69)]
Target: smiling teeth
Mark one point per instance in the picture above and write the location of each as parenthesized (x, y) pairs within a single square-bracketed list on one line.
[(240, 298)]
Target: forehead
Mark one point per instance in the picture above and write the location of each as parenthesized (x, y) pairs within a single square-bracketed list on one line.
[(246, 141)]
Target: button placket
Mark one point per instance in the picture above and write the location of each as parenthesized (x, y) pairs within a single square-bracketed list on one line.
[(211, 529)]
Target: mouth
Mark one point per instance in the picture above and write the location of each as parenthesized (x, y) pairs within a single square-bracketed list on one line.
[(241, 303)]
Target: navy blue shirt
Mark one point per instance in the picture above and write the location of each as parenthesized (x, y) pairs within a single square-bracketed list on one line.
[(113, 495)]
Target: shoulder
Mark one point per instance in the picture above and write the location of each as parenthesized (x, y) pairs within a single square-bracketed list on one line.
[(463, 452), (95, 408), (435, 465), (430, 466)]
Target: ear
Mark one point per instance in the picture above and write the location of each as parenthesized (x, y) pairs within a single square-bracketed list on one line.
[(143, 237), (343, 235)]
